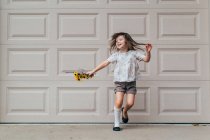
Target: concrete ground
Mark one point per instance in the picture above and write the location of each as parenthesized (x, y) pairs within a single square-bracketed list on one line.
[(102, 132)]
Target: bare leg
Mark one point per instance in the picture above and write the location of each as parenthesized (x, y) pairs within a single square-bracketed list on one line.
[(129, 103), (119, 99)]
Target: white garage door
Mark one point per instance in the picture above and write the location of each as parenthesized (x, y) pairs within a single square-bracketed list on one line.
[(42, 39)]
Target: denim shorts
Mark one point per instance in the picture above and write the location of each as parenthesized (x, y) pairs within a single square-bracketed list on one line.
[(125, 87)]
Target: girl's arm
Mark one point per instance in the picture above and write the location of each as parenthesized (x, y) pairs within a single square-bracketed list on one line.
[(147, 57), (148, 54), (99, 67)]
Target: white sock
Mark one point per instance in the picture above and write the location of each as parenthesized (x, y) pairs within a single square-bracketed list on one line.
[(116, 117)]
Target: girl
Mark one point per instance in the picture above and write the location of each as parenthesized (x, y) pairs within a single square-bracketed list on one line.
[(125, 52)]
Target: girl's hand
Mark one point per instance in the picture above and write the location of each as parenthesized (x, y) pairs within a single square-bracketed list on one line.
[(148, 47), (91, 73)]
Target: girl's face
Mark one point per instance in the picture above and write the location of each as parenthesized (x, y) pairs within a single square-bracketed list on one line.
[(121, 43)]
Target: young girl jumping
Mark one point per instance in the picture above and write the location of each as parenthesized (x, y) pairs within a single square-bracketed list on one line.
[(125, 53)]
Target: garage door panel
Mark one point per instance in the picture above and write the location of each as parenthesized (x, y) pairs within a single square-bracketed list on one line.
[(71, 100), (23, 100), (181, 62), (138, 24), (26, 100), (30, 100), (22, 3), (21, 26), (79, 57), (25, 1), (85, 26), (183, 3), (183, 26), (186, 25), (23, 62), (127, 1), (73, 59), (78, 1), (78, 26), (179, 100)]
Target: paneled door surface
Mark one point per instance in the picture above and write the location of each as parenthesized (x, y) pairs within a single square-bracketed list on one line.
[(41, 40)]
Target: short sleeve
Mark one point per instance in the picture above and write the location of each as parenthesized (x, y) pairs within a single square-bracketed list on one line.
[(140, 54), (112, 58)]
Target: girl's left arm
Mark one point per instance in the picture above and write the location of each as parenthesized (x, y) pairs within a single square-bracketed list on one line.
[(148, 54), (147, 57)]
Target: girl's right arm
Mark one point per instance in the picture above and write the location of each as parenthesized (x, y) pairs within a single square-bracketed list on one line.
[(99, 67)]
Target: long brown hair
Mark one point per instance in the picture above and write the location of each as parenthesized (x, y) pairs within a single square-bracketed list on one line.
[(132, 44)]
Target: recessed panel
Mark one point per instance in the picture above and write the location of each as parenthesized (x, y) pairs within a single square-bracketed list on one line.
[(77, 26), (27, 61), (70, 100), (27, 0), (134, 24), (179, 61), (129, 2), (28, 26), (77, 1), (178, 1), (74, 59), (184, 3), (179, 100), (178, 25), (27, 100)]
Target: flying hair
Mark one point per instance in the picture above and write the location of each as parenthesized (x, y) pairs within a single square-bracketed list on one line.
[(132, 44)]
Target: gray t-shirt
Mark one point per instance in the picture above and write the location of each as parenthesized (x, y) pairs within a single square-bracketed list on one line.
[(126, 68)]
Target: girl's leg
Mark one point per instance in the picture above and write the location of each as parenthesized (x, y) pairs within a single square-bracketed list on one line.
[(129, 103), (117, 108), (119, 99)]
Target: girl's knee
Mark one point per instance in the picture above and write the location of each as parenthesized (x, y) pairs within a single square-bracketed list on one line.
[(118, 104), (130, 104), (119, 99)]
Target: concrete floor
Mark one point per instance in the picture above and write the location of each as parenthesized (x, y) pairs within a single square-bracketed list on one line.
[(102, 132)]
